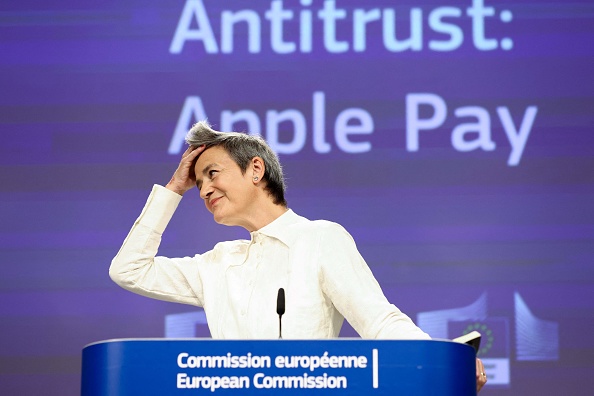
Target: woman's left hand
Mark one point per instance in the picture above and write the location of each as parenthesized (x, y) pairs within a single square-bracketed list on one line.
[(481, 376)]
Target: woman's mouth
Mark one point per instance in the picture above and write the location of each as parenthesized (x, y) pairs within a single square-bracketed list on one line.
[(214, 201)]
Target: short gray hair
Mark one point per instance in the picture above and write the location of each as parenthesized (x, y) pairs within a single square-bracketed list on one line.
[(243, 148)]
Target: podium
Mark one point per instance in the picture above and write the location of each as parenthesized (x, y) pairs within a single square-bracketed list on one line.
[(338, 367)]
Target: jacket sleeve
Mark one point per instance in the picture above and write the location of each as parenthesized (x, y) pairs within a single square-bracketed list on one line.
[(354, 291), (137, 267)]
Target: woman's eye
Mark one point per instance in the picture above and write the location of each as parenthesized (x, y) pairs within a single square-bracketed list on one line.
[(212, 173)]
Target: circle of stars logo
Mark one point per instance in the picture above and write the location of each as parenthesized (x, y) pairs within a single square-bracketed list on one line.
[(486, 336)]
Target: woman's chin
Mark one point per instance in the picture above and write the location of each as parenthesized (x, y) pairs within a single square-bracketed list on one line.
[(221, 219)]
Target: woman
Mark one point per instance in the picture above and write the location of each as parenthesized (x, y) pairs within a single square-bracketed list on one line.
[(316, 262)]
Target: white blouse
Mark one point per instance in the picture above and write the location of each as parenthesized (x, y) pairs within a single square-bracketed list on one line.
[(316, 262)]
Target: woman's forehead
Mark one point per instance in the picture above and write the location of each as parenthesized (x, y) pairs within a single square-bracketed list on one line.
[(215, 155)]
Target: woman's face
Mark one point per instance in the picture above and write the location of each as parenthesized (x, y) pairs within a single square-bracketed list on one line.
[(227, 193)]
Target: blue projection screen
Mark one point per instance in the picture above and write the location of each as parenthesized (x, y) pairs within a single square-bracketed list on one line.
[(454, 140)]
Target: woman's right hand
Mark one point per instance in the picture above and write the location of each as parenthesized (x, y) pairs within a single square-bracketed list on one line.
[(184, 178)]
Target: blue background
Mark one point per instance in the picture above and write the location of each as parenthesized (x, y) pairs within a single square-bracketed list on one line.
[(90, 97)]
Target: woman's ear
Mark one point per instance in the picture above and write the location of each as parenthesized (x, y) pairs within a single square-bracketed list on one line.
[(258, 169)]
